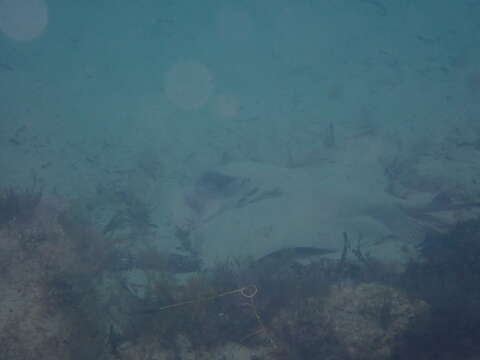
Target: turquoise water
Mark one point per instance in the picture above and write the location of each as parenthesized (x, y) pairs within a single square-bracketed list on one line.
[(144, 97), (198, 84), (196, 132)]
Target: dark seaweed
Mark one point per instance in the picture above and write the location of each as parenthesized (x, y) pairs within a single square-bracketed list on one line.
[(18, 205), (448, 279)]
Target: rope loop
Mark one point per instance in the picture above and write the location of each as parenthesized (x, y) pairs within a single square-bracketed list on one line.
[(249, 291)]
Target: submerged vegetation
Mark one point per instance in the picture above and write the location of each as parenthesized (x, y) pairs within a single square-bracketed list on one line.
[(96, 296), (18, 205)]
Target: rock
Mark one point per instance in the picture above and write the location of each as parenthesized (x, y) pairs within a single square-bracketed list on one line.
[(363, 321), (370, 319)]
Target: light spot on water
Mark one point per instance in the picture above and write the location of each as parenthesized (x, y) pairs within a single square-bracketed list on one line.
[(23, 20), (189, 85)]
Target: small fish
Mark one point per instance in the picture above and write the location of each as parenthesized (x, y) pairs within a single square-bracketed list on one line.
[(291, 254), (6, 67), (14, 141)]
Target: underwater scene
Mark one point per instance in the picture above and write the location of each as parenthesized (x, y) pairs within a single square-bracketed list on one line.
[(239, 180)]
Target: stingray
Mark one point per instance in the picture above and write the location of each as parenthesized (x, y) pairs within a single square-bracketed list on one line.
[(266, 211)]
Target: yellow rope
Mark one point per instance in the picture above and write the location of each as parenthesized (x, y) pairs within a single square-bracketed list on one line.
[(248, 291)]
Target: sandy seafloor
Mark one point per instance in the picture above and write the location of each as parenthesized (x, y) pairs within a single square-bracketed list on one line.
[(345, 116)]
